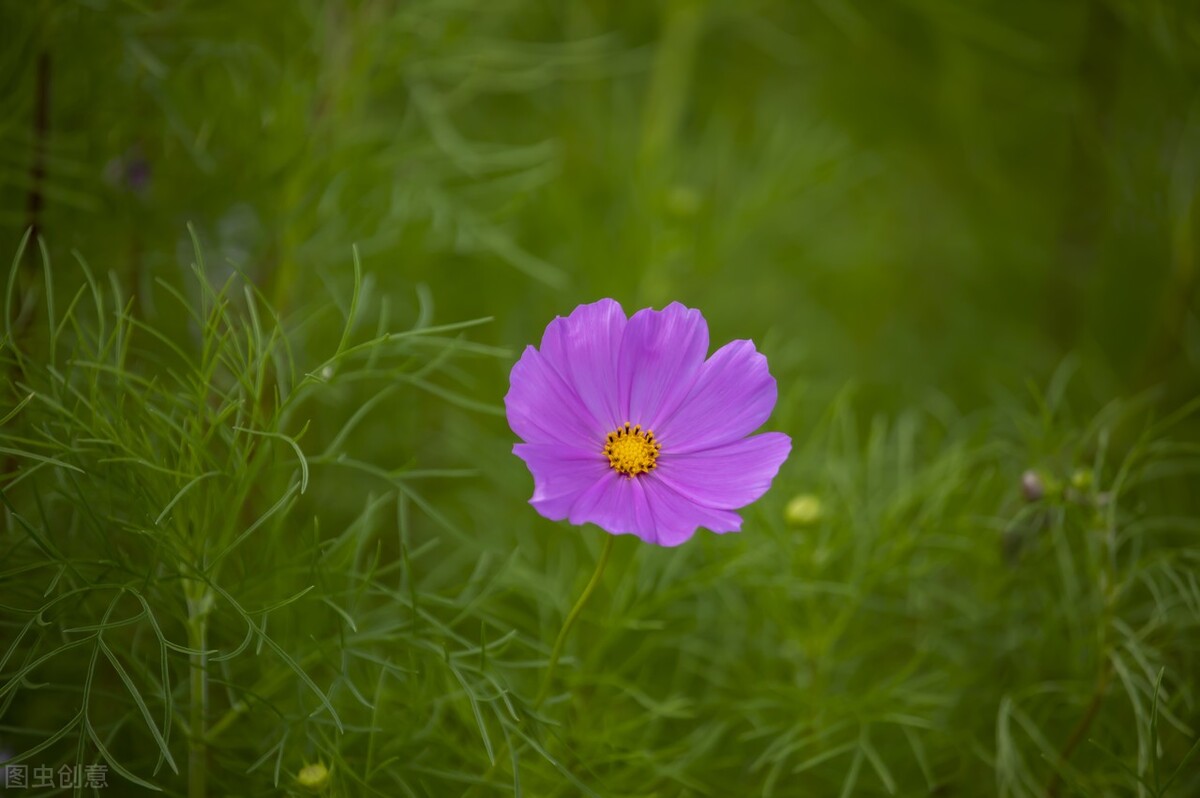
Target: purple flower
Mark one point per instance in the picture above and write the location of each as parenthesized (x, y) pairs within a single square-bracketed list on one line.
[(628, 427)]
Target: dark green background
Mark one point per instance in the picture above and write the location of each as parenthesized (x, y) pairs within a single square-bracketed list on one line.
[(963, 233), (916, 196)]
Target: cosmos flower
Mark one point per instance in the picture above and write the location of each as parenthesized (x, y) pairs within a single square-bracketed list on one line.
[(628, 427)]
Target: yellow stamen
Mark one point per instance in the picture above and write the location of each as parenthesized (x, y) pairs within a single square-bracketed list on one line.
[(631, 451)]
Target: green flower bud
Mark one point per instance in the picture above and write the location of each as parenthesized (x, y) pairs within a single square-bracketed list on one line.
[(313, 777), (683, 201), (803, 510)]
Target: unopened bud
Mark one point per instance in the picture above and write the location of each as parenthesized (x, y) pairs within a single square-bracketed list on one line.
[(803, 510), (1032, 487), (313, 777), (684, 201)]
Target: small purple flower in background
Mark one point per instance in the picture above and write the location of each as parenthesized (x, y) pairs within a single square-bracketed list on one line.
[(628, 427), (129, 171), (6, 755)]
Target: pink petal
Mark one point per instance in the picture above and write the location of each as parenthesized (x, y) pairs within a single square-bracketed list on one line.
[(542, 408), (677, 518), (648, 508), (661, 356), (726, 477), (617, 504), (583, 348), (560, 475), (733, 396)]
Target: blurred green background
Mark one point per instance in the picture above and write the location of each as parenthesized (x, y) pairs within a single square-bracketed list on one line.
[(913, 195), (960, 231)]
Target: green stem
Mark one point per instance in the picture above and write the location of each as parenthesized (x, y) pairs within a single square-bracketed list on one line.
[(1080, 730), (670, 78), (199, 601), (263, 689), (571, 617)]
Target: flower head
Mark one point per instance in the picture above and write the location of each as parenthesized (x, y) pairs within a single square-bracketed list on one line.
[(627, 425)]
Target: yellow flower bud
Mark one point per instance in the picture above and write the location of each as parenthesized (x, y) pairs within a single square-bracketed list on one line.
[(803, 510), (313, 777)]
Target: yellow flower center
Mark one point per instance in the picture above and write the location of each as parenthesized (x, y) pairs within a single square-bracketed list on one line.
[(631, 451)]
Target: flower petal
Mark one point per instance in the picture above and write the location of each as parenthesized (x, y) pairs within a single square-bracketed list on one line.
[(560, 475), (583, 349), (677, 518), (617, 504), (726, 477), (661, 355), (542, 408), (733, 395)]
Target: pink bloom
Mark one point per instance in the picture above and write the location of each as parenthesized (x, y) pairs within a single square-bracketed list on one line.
[(628, 427)]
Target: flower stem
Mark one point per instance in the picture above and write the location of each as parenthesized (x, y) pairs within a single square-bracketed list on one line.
[(199, 601), (1080, 730), (571, 617)]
